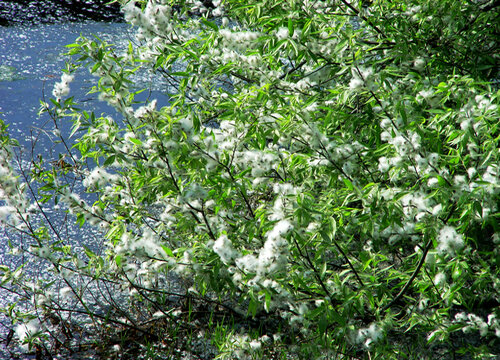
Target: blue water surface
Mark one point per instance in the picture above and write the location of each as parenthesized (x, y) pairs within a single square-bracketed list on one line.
[(31, 62)]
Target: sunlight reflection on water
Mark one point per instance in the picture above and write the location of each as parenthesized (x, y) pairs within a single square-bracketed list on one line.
[(30, 65)]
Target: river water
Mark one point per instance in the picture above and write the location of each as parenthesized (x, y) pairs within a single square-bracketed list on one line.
[(30, 64)]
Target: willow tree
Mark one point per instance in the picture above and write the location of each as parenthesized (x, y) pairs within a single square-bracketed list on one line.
[(325, 180)]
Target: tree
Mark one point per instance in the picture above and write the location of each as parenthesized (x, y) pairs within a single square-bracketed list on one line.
[(324, 181)]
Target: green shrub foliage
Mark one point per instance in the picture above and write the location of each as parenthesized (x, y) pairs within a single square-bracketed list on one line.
[(327, 170)]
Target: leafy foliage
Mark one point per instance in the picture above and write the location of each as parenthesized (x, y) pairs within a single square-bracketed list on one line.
[(326, 172)]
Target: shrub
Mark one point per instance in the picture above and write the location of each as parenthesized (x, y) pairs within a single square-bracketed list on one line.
[(324, 182)]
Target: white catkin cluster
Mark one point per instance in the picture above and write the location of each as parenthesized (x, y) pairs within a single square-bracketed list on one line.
[(14, 204), (61, 88), (475, 322), (368, 336)]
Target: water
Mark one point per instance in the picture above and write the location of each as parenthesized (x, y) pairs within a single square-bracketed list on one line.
[(31, 62), (30, 65), (16, 12)]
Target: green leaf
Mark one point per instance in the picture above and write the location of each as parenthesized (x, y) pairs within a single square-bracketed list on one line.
[(110, 160), (136, 141), (290, 27), (322, 324), (168, 251), (325, 237), (209, 24), (339, 319), (348, 183), (306, 29), (90, 254), (253, 305), (323, 271)]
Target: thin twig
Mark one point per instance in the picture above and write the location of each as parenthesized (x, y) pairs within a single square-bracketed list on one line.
[(413, 276), (348, 261)]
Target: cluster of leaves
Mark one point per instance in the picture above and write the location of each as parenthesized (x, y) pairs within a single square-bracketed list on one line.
[(331, 166)]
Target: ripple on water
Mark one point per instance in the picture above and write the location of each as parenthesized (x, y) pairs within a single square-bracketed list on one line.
[(32, 60), (17, 12), (30, 64)]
